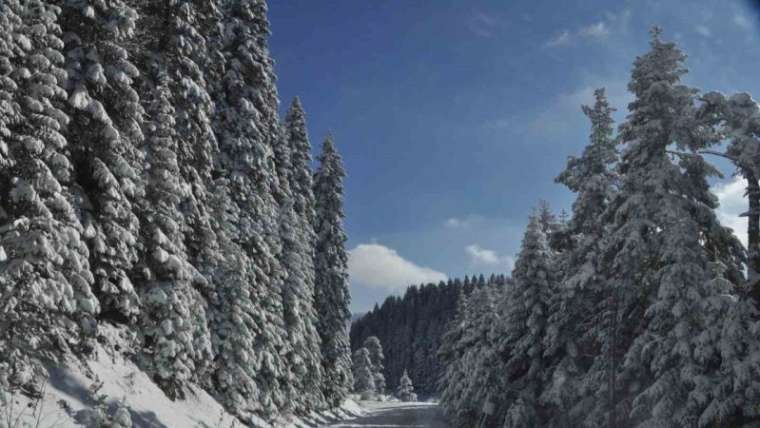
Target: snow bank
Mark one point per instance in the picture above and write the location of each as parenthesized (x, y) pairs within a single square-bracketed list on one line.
[(111, 382)]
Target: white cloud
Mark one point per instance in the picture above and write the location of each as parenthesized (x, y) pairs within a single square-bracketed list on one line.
[(560, 39), (564, 113), (732, 203), (742, 22), (480, 256), (453, 222), (377, 266), (703, 30), (597, 30), (463, 222), (483, 25)]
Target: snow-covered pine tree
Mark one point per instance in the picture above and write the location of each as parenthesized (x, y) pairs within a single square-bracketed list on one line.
[(104, 134), (405, 390), (168, 64), (473, 368), (235, 320), (331, 278), (45, 281), (520, 339), (737, 119), (376, 356), (247, 130), (451, 355), (292, 156), (172, 312), (674, 267), (580, 311), (364, 379)]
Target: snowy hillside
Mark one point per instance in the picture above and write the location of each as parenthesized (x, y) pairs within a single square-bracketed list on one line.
[(111, 389)]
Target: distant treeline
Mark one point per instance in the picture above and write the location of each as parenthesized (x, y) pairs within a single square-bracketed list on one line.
[(410, 329)]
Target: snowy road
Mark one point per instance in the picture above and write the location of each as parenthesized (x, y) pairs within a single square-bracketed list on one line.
[(387, 415)]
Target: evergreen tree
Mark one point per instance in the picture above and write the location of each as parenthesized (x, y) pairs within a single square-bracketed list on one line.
[(521, 337), (364, 381), (169, 51), (297, 257), (331, 277), (104, 133), (475, 378), (376, 357), (48, 306), (581, 314), (405, 390), (247, 130), (172, 314), (236, 322), (672, 263)]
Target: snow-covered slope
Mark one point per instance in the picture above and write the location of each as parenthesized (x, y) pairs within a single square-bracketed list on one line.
[(111, 391)]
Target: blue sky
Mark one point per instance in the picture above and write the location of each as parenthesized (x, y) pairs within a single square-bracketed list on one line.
[(454, 117)]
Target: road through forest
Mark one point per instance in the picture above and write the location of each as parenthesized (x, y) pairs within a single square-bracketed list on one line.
[(418, 415)]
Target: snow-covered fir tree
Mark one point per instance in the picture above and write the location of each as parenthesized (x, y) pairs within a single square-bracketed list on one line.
[(172, 312), (474, 377), (673, 266), (525, 318), (581, 313), (105, 107), (405, 390), (235, 320), (364, 379), (736, 118), (247, 130), (331, 277), (297, 257), (48, 306), (376, 357)]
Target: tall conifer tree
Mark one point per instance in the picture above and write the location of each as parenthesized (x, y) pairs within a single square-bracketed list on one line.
[(331, 280), (45, 279), (297, 257), (105, 135)]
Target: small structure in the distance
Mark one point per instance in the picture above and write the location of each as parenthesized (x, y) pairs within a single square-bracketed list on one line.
[(405, 390)]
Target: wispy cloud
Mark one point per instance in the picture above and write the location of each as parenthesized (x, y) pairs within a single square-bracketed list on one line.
[(703, 31), (480, 256), (599, 30), (564, 113), (463, 222), (483, 24), (742, 21), (377, 266), (560, 39)]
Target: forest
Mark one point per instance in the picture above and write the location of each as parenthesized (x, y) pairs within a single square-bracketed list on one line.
[(642, 309), (164, 228), (411, 327), (148, 183)]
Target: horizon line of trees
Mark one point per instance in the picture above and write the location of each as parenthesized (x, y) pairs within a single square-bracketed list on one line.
[(147, 181), (411, 326), (636, 312)]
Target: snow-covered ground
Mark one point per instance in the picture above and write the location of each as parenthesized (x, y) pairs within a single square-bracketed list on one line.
[(72, 393), (396, 414)]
